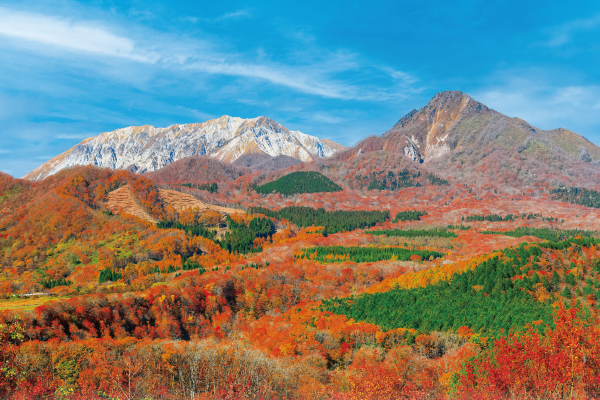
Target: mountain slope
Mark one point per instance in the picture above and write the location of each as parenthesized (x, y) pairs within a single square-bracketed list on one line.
[(146, 148), (264, 162), (460, 137), (197, 169)]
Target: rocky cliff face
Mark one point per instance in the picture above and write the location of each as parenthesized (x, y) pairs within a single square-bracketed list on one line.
[(146, 148), (429, 133)]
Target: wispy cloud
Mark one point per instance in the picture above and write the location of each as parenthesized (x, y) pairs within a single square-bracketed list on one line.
[(234, 15), (2, 151), (71, 136), (534, 97), (563, 34), (81, 36), (328, 118), (173, 53)]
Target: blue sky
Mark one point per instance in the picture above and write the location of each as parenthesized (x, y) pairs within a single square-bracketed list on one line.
[(338, 70)]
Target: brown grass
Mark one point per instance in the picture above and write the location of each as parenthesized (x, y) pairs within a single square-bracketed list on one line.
[(27, 304), (123, 199), (181, 201)]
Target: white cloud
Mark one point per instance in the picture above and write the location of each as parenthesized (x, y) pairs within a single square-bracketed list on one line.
[(534, 97), (562, 34), (328, 118), (71, 136), (176, 54), (2, 151), (73, 35), (233, 15)]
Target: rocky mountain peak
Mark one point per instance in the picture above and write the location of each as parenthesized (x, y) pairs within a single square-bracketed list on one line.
[(146, 148)]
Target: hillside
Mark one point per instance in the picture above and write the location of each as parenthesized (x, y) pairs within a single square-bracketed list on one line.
[(197, 169), (353, 284), (264, 162), (146, 148)]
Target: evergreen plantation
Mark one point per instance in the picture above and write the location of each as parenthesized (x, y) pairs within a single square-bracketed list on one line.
[(364, 254), (409, 216), (196, 229), (240, 237), (299, 182), (333, 221), (575, 195), (209, 187), (409, 233), (552, 235), (492, 298)]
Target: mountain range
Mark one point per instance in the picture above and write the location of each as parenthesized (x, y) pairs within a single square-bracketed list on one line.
[(146, 148), (453, 135)]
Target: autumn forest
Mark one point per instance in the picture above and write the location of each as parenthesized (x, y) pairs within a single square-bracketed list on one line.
[(365, 275)]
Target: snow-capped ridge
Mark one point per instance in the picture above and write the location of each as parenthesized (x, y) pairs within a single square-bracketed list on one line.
[(147, 148)]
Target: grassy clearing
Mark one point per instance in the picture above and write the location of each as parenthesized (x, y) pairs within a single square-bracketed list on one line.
[(21, 304)]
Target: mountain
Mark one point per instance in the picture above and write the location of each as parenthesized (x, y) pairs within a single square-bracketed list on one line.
[(146, 148), (265, 162), (461, 137)]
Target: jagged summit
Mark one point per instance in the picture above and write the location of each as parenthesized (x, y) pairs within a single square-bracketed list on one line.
[(146, 148)]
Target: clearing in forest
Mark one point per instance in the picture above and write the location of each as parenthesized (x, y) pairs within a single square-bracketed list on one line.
[(122, 198), (181, 201)]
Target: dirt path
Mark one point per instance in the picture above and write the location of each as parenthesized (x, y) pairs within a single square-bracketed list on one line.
[(182, 201), (122, 198)]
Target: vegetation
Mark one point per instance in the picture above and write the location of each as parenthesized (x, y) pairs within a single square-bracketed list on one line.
[(409, 216), (136, 311), (487, 299), (490, 218), (209, 187), (508, 217), (409, 233), (109, 275), (52, 283), (552, 235), (575, 195), (392, 181), (365, 254), (240, 237), (436, 180), (333, 221), (299, 182), (460, 227), (195, 229)]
